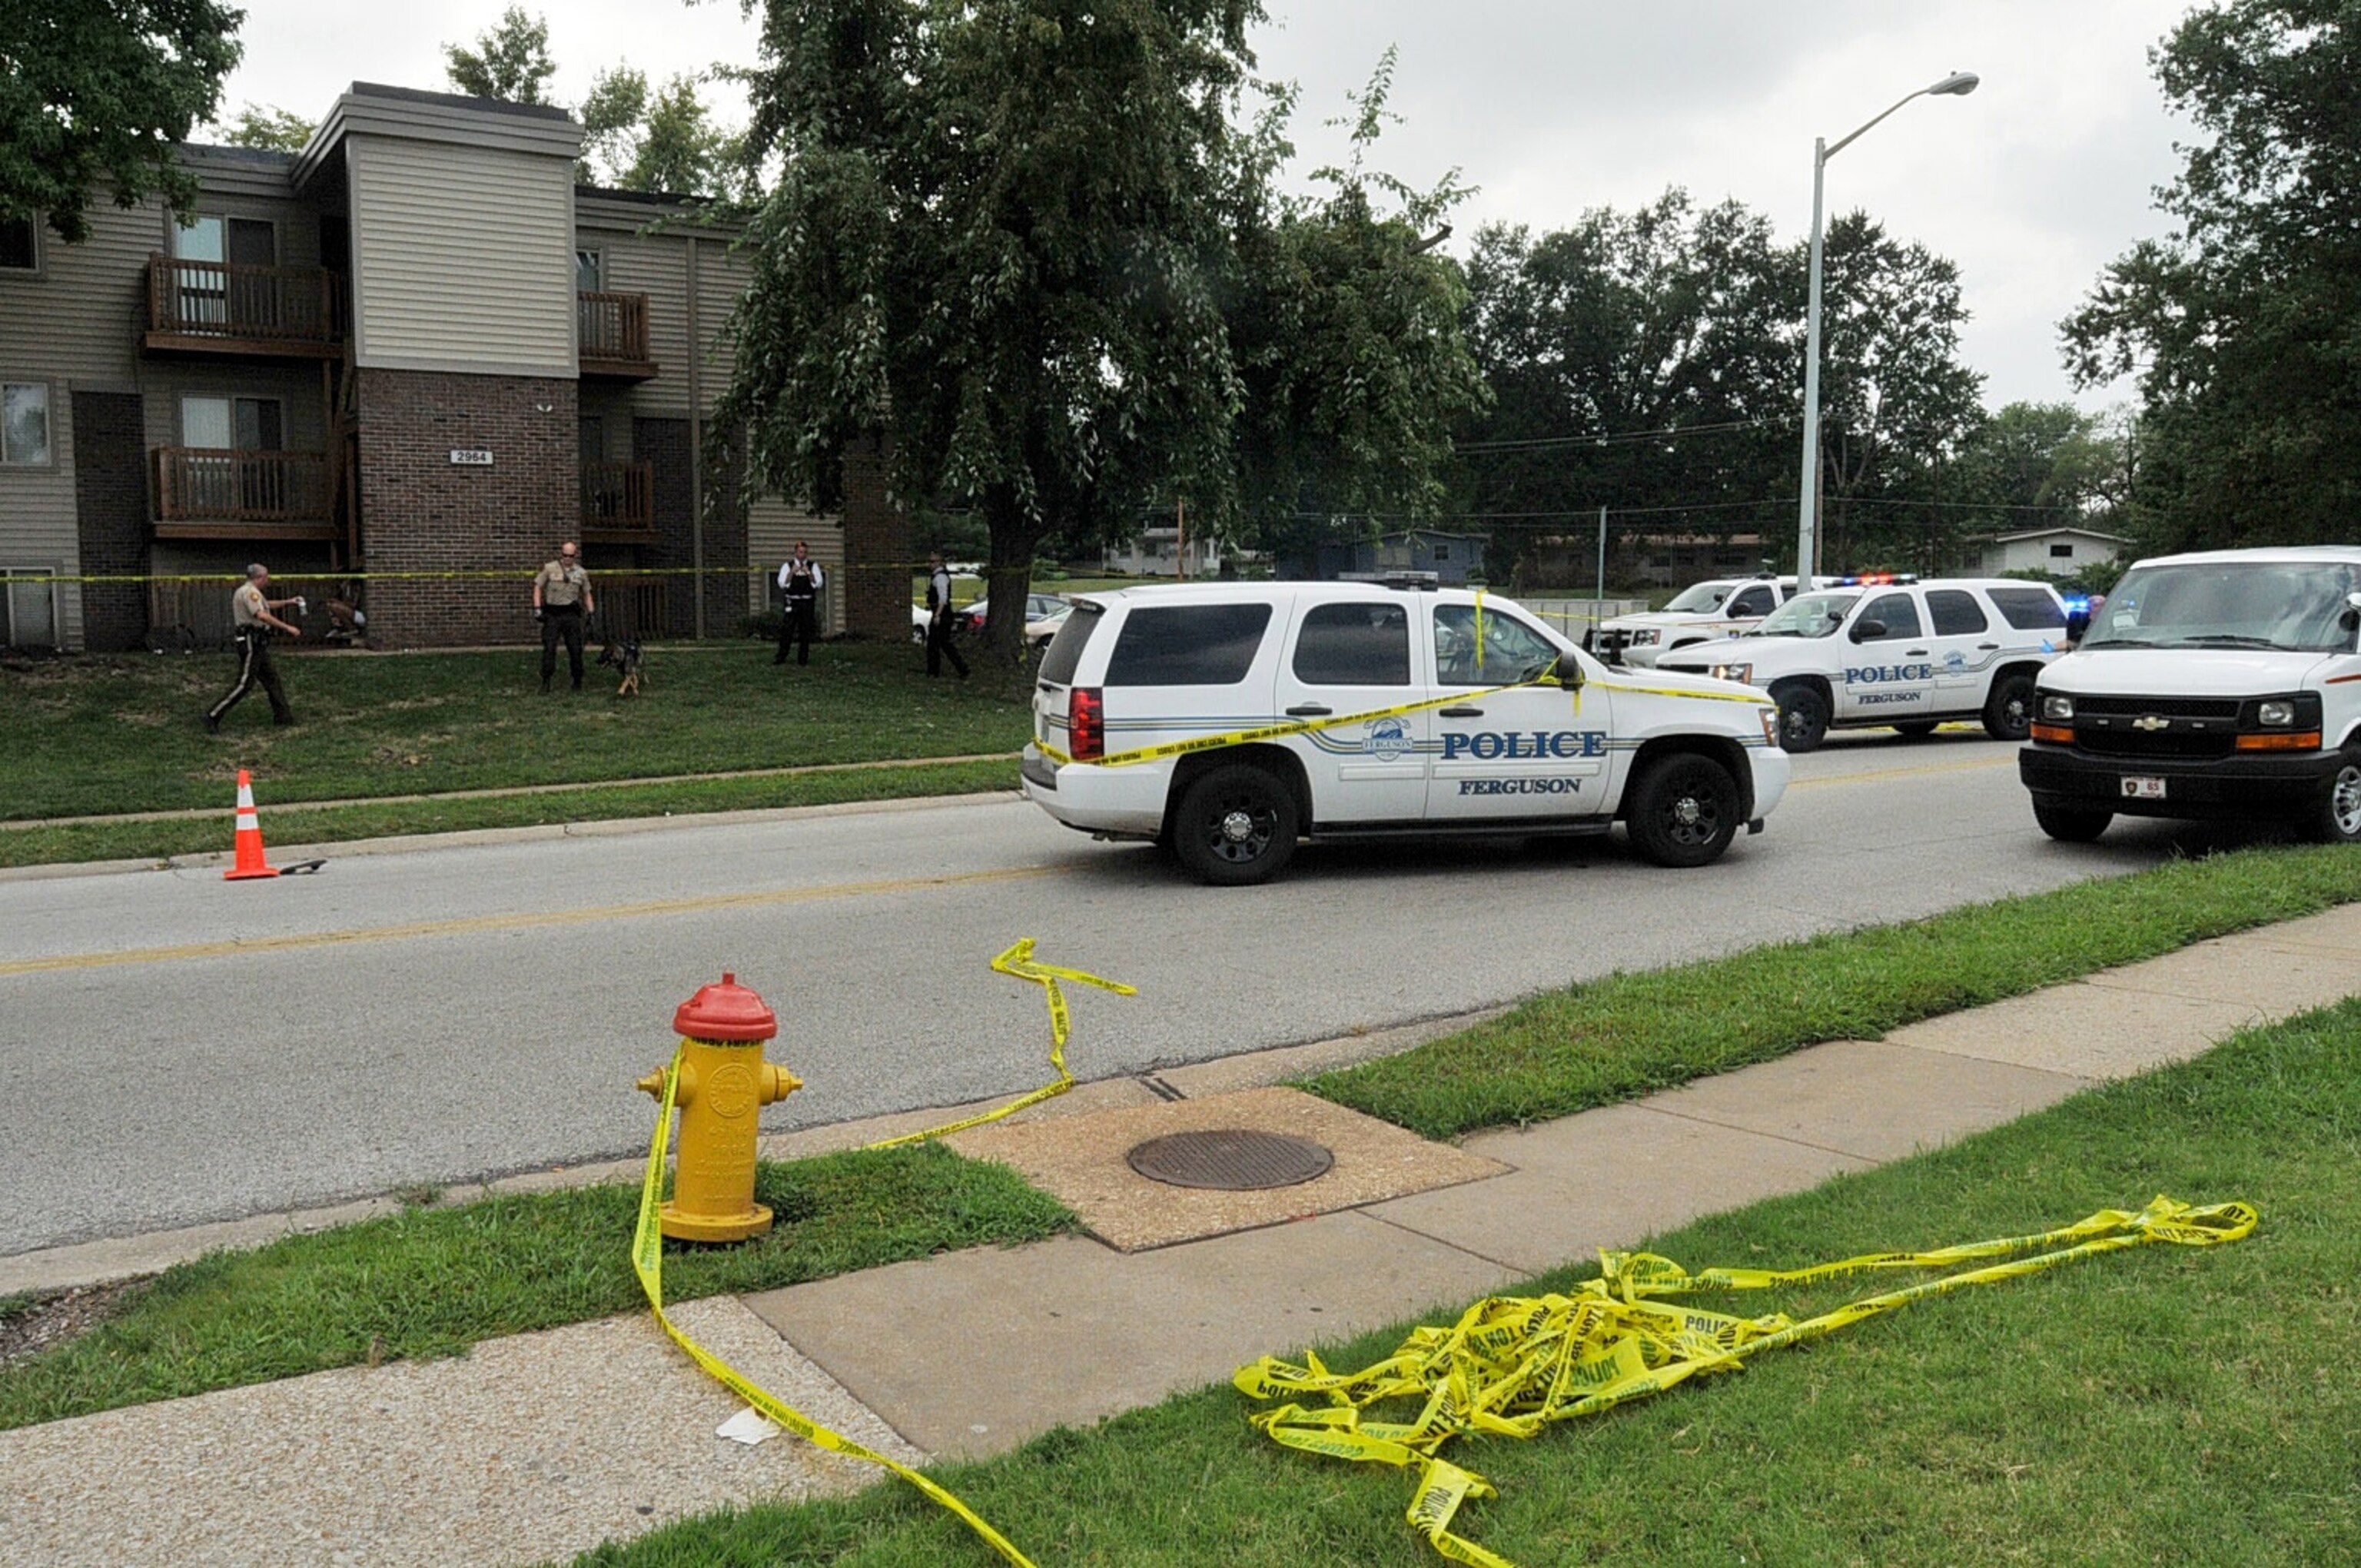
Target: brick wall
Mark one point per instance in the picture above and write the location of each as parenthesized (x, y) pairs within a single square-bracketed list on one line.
[(878, 550), (421, 512), (111, 516)]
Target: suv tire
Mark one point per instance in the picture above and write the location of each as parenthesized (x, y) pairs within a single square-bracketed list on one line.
[(2071, 824), (1803, 715), (2008, 712), (1684, 810), (1236, 824), (2338, 820)]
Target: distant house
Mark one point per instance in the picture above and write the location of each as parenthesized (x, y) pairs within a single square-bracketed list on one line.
[(2060, 552), (1451, 557), (1156, 553)]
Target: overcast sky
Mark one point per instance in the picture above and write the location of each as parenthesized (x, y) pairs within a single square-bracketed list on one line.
[(1552, 107)]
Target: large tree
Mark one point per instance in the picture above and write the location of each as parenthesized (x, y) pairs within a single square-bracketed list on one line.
[(1030, 241), (2244, 325), (93, 95), (510, 60)]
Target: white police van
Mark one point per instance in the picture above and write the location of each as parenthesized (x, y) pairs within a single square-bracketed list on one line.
[(1227, 720), (2224, 684), (1887, 654), (1702, 612)]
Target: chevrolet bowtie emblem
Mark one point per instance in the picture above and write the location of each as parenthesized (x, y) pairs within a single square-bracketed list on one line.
[(2151, 721)]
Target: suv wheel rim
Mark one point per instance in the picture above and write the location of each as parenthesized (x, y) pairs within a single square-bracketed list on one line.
[(2344, 800), (1242, 829), (1690, 820)]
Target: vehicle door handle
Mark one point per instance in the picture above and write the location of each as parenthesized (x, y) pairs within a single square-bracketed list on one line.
[(1914, 653), (1310, 710), (1463, 713), (1987, 647)]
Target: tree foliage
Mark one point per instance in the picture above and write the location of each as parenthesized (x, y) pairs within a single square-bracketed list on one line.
[(97, 92), (268, 126), (2244, 325), (510, 62), (1029, 240), (1651, 362)]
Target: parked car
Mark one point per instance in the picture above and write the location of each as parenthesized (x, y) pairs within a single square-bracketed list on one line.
[(1702, 612), (1227, 720), (1043, 614), (2221, 685)]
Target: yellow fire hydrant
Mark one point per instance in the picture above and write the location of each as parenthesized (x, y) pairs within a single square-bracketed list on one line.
[(724, 1081)]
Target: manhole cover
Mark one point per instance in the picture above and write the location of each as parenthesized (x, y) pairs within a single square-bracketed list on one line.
[(1232, 1159)]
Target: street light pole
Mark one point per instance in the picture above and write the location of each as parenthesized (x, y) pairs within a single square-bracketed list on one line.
[(1957, 85)]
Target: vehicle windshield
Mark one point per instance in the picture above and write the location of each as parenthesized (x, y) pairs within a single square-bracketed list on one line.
[(2292, 607), (1807, 615), (1701, 596)]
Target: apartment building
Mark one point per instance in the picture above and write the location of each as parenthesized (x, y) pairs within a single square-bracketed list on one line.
[(415, 355)]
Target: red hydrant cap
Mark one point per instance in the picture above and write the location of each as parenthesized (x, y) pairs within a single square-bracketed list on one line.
[(726, 1011)]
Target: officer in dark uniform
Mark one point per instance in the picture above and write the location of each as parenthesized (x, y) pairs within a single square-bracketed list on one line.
[(939, 618), (252, 622), (563, 603), (800, 580)]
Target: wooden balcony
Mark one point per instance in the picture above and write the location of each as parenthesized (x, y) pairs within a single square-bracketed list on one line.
[(618, 503), (214, 307), (612, 336), (207, 493)]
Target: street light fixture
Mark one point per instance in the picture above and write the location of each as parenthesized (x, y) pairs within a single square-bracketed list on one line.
[(1958, 85)]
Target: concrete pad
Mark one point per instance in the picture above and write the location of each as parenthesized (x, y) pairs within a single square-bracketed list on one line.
[(2085, 1030), (2271, 982), (541, 1446), (1005, 1344), (2336, 930), (1606, 1177), (1874, 1102), (1252, 1069), (1081, 1161)]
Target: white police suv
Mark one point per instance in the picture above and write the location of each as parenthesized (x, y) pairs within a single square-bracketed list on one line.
[(1702, 612), (1895, 655), (1227, 720), (2226, 684)]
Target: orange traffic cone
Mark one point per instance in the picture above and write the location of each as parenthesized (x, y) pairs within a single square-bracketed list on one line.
[(249, 835)]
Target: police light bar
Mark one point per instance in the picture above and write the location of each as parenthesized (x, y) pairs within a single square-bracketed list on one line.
[(1871, 579)]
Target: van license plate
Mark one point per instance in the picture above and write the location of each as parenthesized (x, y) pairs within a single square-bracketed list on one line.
[(2143, 789)]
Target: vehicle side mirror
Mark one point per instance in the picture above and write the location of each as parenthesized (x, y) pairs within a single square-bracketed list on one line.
[(2351, 616), (1569, 671), (1864, 629)]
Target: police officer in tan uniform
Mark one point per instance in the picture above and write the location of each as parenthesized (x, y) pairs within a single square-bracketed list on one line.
[(563, 603), (252, 621)]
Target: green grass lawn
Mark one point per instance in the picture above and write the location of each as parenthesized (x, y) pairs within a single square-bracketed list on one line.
[(1632, 1034), (432, 1281), (2160, 1406), (119, 733)]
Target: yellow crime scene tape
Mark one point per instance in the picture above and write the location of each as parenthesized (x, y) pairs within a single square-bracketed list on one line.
[(1305, 725), (1511, 1365), (647, 1241)]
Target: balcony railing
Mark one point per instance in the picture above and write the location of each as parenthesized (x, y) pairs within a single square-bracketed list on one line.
[(619, 502), (245, 309), (207, 493), (611, 334)]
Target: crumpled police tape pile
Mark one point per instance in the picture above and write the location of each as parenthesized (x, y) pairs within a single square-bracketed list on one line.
[(647, 1241), (1511, 1365)]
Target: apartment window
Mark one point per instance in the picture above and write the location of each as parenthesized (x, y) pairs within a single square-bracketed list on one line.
[(586, 271), (20, 247), (241, 241), (233, 424), (25, 423), (1442, 551)]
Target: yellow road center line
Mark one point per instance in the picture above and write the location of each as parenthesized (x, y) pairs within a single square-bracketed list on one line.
[(2009, 760), (518, 922)]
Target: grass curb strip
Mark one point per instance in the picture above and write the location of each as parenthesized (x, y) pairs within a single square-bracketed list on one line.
[(432, 1281), (1632, 1035)]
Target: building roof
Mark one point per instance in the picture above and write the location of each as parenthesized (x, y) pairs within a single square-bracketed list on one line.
[(409, 113), (458, 101), (2054, 532)]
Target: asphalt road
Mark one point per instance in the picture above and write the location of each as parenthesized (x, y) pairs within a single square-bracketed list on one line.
[(176, 1048)]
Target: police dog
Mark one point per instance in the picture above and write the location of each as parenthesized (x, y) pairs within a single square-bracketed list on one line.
[(623, 652)]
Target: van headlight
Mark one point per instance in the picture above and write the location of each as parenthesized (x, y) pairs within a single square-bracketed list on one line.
[(2275, 715), (2059, 709), (1741, 673)]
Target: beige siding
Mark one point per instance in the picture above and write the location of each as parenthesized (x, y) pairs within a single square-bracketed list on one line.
[(302, 407), (657, 266), (464, 257), (80, 317), (36, 505), (772, 529), (721, 278)]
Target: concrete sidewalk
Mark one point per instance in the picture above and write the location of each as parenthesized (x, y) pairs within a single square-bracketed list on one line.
[(545, 1444)]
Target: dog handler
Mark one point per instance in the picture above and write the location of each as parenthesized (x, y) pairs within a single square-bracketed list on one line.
[(562, 601), (252, 621)]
